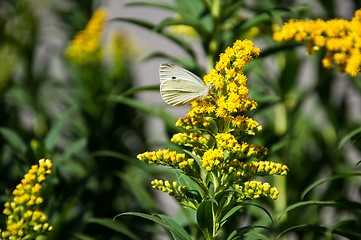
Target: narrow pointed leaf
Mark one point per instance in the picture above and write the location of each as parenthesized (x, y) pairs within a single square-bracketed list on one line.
[(348, 228), (174, 225), (115, 225), (150, 26), (321, 181), (265, 17), (75, 147), (348, 137), (205, 218), (303, 227), (352, 205), (151, 110), (186, 22), (159, 5), (260, 207), (230, 213), (55, 130), (181, 61), (117, 155), (164, 221), (138, 89), (189, 9), (240, 233), (13, 139), (349, 234)]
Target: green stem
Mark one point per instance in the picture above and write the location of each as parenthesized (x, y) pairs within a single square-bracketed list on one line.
[(212, 45), (216, 9), (280, 181), (280, 119), (281, 203)]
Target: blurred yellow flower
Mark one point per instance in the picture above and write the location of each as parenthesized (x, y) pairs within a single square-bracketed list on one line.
[(85, 47), (182, 30), (340, 38)]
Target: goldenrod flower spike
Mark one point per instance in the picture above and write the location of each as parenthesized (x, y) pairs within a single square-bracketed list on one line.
[(255, 190), (24, 218), (173, 189), (85, 48), (216, 158), (340, 38)]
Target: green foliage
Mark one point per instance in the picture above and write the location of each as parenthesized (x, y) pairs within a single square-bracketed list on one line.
[(177, 232), (87, 120)]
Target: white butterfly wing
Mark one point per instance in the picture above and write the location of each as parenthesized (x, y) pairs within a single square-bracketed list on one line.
[(179, 86), (168, 71), (179, 92)]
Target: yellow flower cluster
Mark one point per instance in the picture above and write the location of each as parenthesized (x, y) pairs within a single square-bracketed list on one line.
[(166, 157), (254, 190), (217, 157), (85, 48), (258, 168), (243, 150), (212, 158), (24, 219), (173, 189), (341, 39), (189, 139), (228, 98), (229, 154)]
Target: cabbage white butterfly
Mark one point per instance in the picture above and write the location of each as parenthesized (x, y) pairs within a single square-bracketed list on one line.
[(179, 86)]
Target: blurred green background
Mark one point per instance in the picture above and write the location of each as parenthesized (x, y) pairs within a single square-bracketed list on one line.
[(92, 116)]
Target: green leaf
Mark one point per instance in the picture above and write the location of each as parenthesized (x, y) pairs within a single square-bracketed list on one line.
[(13, 139), (159, 5), (194, 156), (257, 235), (150, 26), (74, 148), (134, 179), (206, 219), (348, 228), (168, 119), (213, 127), (321, 181), (175, 226), (55, 130), (137, 89), (240, 233), (230, 213), (177, 231), (260, 207), (186, 22), (202, 171), (112, 154), (352, 205), (114, 225), (189, 9), (287, 78), (80, 236), (348, 137), (264, 17), (181, 61), (282, 47), (303, 227)]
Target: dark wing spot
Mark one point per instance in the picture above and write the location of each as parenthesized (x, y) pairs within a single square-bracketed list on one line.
[(173, 77)]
